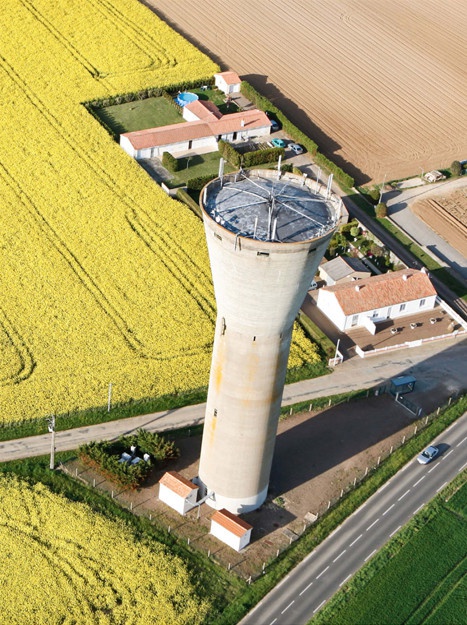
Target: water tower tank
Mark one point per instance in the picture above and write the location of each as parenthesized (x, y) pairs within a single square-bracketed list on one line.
[(266, 235)]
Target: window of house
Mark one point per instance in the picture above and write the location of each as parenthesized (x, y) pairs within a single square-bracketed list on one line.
[(422, 302), (401, 307)]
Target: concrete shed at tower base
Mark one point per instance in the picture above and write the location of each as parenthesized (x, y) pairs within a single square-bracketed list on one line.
[(177, 492), (230, 529)]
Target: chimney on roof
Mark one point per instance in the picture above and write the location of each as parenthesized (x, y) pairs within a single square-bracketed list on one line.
[(357, 287), (242, 123), (405, 276)]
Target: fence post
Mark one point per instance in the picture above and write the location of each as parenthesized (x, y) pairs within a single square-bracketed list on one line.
[(403, 439), (264, 566), (366, 471), (209, 553), (450, 400), (329, 504), (379, 460), (311, 406), (415, 431), (437, 412), (355, 481), (390, 451), (94, 482), (330, 402)]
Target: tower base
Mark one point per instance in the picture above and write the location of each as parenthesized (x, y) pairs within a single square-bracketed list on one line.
[(239, 505)]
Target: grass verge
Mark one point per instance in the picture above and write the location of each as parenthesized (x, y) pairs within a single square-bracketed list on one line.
[(277, 569), (429, 554)]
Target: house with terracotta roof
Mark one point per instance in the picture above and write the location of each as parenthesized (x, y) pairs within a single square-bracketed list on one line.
[(204, 127), (364, 303), (343, 269), (230, 529), (177, 492), (228, 82)]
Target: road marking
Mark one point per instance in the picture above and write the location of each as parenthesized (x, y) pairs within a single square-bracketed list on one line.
[(461, 441), (390, 508), (451, 426), (441, 487), (320, 605), (372, 553), (324, 571), (370, 526), (341, 554), (272, 622), (419, 508), (402, 496), (433, 468), (392, 533), (305, 589), (358, 538), (462, 467), (343, 582), (285, 609), (422, 478)]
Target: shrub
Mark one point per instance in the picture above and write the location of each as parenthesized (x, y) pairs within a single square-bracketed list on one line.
[(186, 198), (456, 168), (170, 162), (196, 184), (259, 157), (229, 153), (381, 210), (105, 456), (355, 231)]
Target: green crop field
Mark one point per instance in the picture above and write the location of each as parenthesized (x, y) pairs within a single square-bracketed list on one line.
[(422, 581)]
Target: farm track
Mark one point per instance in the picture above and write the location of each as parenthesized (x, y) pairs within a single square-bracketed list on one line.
[(380, 86)]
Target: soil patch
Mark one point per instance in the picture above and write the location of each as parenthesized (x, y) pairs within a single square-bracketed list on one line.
[(318, 457)]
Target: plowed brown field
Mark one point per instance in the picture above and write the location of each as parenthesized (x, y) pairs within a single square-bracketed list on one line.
[(381, 85)]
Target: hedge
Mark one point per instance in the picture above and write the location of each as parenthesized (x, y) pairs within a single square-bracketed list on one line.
[(300, 137), (170, 162), (186, 198), (196, 184)]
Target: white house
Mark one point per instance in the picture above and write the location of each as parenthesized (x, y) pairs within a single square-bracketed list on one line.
[(177, 492), (343, 269), (363, 303), (228, 82), (230, 529), (206, 126)]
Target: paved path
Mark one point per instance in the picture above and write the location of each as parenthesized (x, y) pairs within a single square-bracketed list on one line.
[(400, 213), (439, 367), (313, 582)]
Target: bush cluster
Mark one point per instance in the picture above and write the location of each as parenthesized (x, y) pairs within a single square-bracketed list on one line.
[(260, 157), (229, 153), (105, 456)]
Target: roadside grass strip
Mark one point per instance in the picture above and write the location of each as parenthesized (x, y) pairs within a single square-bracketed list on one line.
[(429, 554)]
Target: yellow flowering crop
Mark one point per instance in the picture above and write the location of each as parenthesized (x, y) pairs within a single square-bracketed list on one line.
[(64, 563), (103, 277)]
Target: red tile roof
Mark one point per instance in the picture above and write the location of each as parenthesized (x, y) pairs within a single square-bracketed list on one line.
[(230, 78), (204, 109), (388, 289), (186, 131), (177, 483), (231, 522)]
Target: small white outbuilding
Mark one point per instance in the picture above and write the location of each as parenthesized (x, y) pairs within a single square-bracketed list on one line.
[(230, 529), (177, 492), (228, 82)]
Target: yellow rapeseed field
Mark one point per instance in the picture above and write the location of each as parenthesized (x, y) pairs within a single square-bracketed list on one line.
[(63, 563), (103, 277)]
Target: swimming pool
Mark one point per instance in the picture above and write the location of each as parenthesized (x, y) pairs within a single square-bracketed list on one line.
[(185, 98)]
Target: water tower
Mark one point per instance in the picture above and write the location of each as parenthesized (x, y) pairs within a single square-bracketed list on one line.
[(266, 235)]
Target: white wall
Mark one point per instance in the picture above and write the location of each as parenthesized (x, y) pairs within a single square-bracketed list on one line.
[(236, 542), (181, 504), (126, 145)]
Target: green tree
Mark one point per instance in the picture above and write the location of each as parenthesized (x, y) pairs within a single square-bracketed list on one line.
[(381, 210), (456, 168)]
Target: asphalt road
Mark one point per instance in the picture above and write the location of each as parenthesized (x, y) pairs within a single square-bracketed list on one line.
[(313, 582), (440, 369)]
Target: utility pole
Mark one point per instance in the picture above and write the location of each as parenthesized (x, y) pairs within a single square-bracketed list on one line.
[(382, 189), (51, 426)]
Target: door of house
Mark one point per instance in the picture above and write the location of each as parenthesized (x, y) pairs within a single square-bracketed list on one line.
[(389, 312), (354, 321)]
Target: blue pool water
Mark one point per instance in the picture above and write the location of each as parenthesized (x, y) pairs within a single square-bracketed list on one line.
[(185, 98)]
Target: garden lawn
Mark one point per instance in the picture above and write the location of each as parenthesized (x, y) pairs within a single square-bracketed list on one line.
[(197, 166), (139, 114), (424, 582)]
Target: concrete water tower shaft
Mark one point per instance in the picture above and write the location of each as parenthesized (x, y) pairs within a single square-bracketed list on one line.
[(266, 236)]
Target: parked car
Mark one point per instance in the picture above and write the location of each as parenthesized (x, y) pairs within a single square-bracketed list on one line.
[(295, 147), (275, 126), (278, 143), (428, 454)]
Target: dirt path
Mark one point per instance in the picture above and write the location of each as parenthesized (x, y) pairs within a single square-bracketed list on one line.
[(379, 85)]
